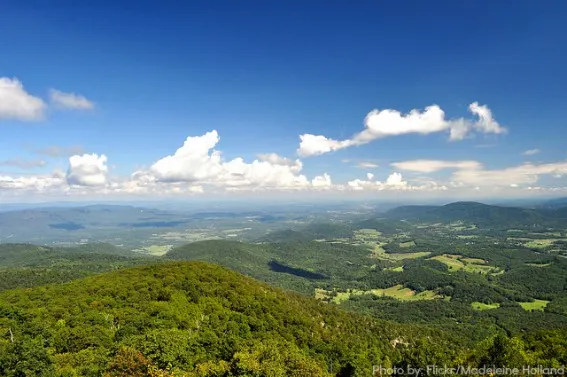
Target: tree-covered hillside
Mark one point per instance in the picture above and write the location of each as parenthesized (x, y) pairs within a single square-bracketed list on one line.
[(331, 261), (198, 319), (481, 215), (195, 317), (24, 265)]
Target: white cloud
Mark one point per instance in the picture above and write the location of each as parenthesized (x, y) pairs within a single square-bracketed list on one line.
[(16, 103), (192, 161), (198, 163), (517, 175), (430, 166), (531, 152), (393, 182), (274, 159), (322, 181), (385, 123), (87, 170), (87, 176), (70, 100), (33, 184), (24, 164), (317, 144), (470, 173), (60, 151), (395, 179), (141, 183), (486, 122), (367, 165)]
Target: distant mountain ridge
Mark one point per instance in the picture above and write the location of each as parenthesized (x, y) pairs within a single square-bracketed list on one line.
[(480, 214), (555, 203)]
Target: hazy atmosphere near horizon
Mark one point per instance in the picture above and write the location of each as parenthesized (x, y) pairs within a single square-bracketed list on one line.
[(283, 188), (124, 101)]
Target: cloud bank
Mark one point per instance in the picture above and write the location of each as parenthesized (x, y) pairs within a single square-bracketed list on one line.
[(473, 173)]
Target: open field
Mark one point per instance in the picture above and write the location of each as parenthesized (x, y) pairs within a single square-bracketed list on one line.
[(398, 292), (535, 305), (482, 306), (537, 243), (366, 234), (381, 254), (155, 249), (541, 243), (473, 265), (538, 264), (407, 244), (375, 241), (548, 234), (378, 250), (402, 256), (395, 269), (460, 226), (452, 261)]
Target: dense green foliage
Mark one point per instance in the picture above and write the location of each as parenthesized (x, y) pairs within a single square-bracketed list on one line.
[(339, 262), (197, 319), (24, 265), (463, 283), (185, 316), (482, 215), (521, 275)]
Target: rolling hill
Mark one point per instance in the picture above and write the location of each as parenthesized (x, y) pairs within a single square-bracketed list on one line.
[(25, 265), (480, 214), (289, 265)]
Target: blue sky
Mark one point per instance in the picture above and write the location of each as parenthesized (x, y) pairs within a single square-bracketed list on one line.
[(132, 81)]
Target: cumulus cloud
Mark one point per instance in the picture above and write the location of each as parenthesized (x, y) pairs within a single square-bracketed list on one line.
[(70, 100), (531, 152), (24, 164), (196, 167), (317, 144), (393, 182), (388, 122), (198, 162), (87, 170), (430, 166), (275, 159), (16, 103), (322, 181), (192, 161), (395, 179)]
